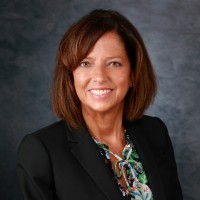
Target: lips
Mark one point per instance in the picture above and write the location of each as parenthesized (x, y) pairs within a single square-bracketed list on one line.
[(100, 91)]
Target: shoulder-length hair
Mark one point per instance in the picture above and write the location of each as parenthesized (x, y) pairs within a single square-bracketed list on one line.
[(74, 47)]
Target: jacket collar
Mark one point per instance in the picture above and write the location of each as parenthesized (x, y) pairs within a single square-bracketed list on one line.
[(87, 153)]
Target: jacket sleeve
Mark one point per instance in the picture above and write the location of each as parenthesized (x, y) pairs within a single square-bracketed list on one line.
[(34, 170), (177, 192)]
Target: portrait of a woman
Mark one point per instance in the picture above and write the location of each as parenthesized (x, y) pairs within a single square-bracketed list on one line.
[(104, 147)]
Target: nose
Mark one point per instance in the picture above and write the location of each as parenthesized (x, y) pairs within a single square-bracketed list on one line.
[(99, 73)]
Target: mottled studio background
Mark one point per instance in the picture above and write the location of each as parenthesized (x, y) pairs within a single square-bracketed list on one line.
[(30, 31)]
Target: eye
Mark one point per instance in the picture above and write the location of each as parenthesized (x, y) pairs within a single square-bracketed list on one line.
[(84, 64), (115, 64)]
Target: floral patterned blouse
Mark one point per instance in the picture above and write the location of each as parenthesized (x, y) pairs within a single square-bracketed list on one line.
[(130, 168)]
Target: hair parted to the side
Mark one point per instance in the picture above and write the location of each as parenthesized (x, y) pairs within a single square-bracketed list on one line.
[(74, 47)]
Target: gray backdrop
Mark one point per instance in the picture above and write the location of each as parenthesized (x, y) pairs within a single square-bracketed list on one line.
[(29, 37)]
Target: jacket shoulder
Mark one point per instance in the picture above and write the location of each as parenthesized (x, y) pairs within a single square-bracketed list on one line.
[(50, 134), (155, 132), (152, 126), (42, 142), (51, 130)]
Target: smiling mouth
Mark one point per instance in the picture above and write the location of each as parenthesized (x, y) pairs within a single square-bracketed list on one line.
[(100, 92)]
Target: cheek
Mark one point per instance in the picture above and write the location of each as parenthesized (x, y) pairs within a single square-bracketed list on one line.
[(80, 80), (124, 79)]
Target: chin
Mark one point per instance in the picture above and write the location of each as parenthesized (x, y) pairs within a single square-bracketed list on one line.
[(103, 108)]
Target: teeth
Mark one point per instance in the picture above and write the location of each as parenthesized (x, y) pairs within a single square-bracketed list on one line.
[(100, 92)]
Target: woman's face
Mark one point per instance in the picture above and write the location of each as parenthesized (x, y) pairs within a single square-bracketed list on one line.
[(102, 79)]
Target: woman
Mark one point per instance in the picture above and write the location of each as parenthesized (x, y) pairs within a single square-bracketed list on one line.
[(104, 147)]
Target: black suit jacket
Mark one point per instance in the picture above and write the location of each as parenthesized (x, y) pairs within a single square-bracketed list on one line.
[(62, 163)]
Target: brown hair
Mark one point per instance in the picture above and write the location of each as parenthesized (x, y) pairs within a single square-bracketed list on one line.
[(74, 47)]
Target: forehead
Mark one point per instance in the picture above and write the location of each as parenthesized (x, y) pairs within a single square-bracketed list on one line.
[(110, 41)]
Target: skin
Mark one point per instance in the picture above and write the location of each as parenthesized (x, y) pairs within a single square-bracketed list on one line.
[(102, 81)]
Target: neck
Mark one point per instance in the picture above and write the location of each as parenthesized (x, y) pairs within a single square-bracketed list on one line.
[(105, 127)]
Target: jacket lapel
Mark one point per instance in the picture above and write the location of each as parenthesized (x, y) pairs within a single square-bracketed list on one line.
[(87, 153), (147, 160)]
